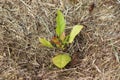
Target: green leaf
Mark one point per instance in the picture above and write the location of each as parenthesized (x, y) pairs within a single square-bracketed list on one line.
[(46, 43), (61, 60), (76, 29), (60, 26), (65, 42)]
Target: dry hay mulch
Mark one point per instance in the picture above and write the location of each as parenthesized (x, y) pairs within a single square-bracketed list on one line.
[(95, 51)]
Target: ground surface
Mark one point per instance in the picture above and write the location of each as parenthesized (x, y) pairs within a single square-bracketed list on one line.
[(95, 51)]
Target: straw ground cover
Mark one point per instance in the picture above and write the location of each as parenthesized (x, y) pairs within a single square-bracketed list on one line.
[(95, 52)]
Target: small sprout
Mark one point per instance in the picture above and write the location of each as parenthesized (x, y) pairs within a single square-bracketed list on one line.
[(61, 40)]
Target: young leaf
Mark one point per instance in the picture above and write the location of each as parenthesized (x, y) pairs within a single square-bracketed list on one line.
[(76, 29), (46, 43), (60, 26), (62, 36), (56, 41), (65, 42), (61, 60)]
